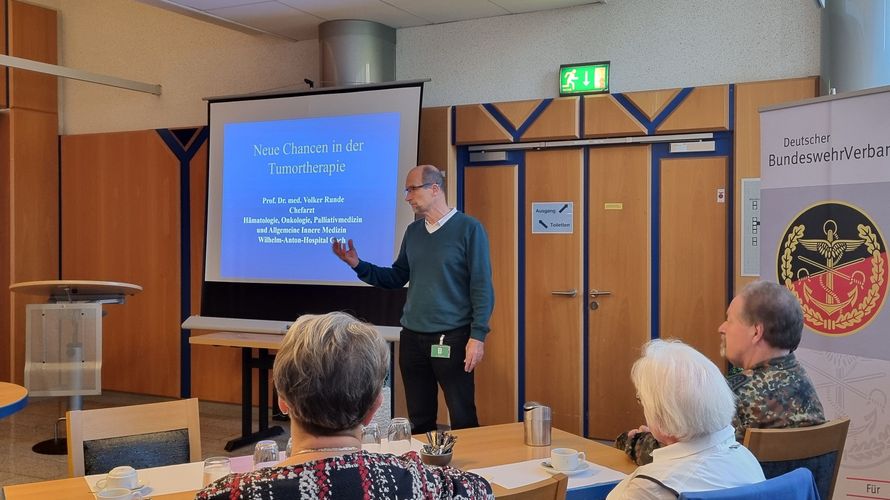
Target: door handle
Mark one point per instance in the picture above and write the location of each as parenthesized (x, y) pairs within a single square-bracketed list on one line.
[(567, 293), (596, 293)]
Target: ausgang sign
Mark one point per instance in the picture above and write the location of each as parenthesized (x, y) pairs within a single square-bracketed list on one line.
[(552, 217)]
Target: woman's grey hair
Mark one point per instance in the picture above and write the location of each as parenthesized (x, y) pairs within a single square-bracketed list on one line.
[(330, 369), (684, 395)]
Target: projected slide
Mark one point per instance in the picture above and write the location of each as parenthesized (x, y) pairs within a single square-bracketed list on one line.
[(290, 186)]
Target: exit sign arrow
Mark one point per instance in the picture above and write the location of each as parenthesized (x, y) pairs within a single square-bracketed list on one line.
[(584, 78)]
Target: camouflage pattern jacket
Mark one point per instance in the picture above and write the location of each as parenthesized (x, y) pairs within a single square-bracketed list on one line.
[(771, 395)]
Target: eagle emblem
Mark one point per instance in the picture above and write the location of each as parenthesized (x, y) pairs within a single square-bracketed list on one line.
[(833, 258)]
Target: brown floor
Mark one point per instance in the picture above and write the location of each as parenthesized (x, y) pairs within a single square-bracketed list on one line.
[(18, 432)]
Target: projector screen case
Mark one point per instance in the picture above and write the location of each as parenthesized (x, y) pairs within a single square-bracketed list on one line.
[(289, 173)]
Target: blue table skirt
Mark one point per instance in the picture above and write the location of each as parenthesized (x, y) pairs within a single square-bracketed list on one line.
[(594, 492)]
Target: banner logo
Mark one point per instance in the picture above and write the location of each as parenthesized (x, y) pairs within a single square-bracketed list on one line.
[(833, 258)]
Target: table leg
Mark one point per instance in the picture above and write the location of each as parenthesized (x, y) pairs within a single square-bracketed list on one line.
[(263, 362), (263, 399)]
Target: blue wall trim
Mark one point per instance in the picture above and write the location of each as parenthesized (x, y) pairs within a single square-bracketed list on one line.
[(730, 201), (463, 158), (581, 117), (517, 133), (453, 125), (518, 157), (532, 117), (184, 153), (658, 151), (652, 125)]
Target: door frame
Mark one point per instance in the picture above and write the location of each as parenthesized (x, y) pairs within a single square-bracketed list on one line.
[(514, 155)]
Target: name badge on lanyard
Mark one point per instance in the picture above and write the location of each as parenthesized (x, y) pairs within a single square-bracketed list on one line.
[(440, 350)]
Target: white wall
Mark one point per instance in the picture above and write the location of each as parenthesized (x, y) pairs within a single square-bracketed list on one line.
[(190, 59), (651, 44)]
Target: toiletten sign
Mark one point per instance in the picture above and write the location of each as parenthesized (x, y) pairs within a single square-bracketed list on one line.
[(552, 217)]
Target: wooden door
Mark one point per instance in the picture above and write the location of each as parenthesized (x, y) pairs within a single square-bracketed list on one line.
[(693, 252), (491, 195), (553, 321), (618, 262)]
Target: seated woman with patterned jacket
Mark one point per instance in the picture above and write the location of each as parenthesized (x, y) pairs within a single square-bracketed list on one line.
[(329, 373)]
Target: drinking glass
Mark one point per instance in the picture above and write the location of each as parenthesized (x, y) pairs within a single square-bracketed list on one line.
[(371, 438), (215, 468), (399, 436), (265, 454)]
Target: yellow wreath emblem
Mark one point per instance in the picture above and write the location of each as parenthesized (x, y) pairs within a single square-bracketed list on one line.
[(865, 306)]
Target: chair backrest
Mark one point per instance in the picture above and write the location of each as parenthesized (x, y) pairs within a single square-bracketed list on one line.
[(149, 435), (795, 485), (819, 448), (553, 488)]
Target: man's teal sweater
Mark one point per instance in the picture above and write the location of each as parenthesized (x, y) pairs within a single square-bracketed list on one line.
[(450, 274)]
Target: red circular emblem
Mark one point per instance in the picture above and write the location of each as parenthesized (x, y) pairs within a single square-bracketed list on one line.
[(833, 258)]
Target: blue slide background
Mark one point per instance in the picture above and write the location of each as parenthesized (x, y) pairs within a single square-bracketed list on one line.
[(368, 184)]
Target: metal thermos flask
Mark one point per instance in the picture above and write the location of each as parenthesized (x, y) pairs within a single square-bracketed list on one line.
[(537, 424)]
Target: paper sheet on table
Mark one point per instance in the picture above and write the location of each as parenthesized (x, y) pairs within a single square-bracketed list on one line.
[(163, 480), (528, 472), (416, 445)]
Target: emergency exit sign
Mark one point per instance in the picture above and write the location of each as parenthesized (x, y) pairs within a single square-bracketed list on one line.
[(585, 78)]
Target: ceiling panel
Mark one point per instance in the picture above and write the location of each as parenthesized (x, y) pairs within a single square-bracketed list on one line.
[(273, 17), (369, 10), (299, 19), (438, 11), (517, 6), (214, 4)]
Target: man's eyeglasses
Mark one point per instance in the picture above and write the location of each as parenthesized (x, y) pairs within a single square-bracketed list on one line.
[(411, 189)]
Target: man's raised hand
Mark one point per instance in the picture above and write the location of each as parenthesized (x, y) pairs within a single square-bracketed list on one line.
[(345, 251)]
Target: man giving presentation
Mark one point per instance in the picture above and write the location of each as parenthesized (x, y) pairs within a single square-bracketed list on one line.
[(445, 257)]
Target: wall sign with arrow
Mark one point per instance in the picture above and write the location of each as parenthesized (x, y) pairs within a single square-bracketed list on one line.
[(553, 217)]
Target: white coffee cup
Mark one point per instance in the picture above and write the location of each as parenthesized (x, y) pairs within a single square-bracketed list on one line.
[(120, 477), (118, 494), (566, 459)]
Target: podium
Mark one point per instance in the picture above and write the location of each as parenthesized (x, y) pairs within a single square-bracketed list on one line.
[(63, 346)]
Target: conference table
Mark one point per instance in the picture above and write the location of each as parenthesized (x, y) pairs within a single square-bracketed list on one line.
[(477, 448), (13, 398)]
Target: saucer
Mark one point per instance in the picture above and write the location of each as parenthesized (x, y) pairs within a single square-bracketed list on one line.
[(140, 485), (583, 466)]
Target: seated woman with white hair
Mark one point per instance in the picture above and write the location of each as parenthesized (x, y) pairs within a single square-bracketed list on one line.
[(689, 408), (329, 372)]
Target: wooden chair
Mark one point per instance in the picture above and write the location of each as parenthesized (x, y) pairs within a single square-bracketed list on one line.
[(818, 448), (149, 435), (553, 488)]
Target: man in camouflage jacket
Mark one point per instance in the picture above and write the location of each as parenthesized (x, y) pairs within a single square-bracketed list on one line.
[(762, 329)]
